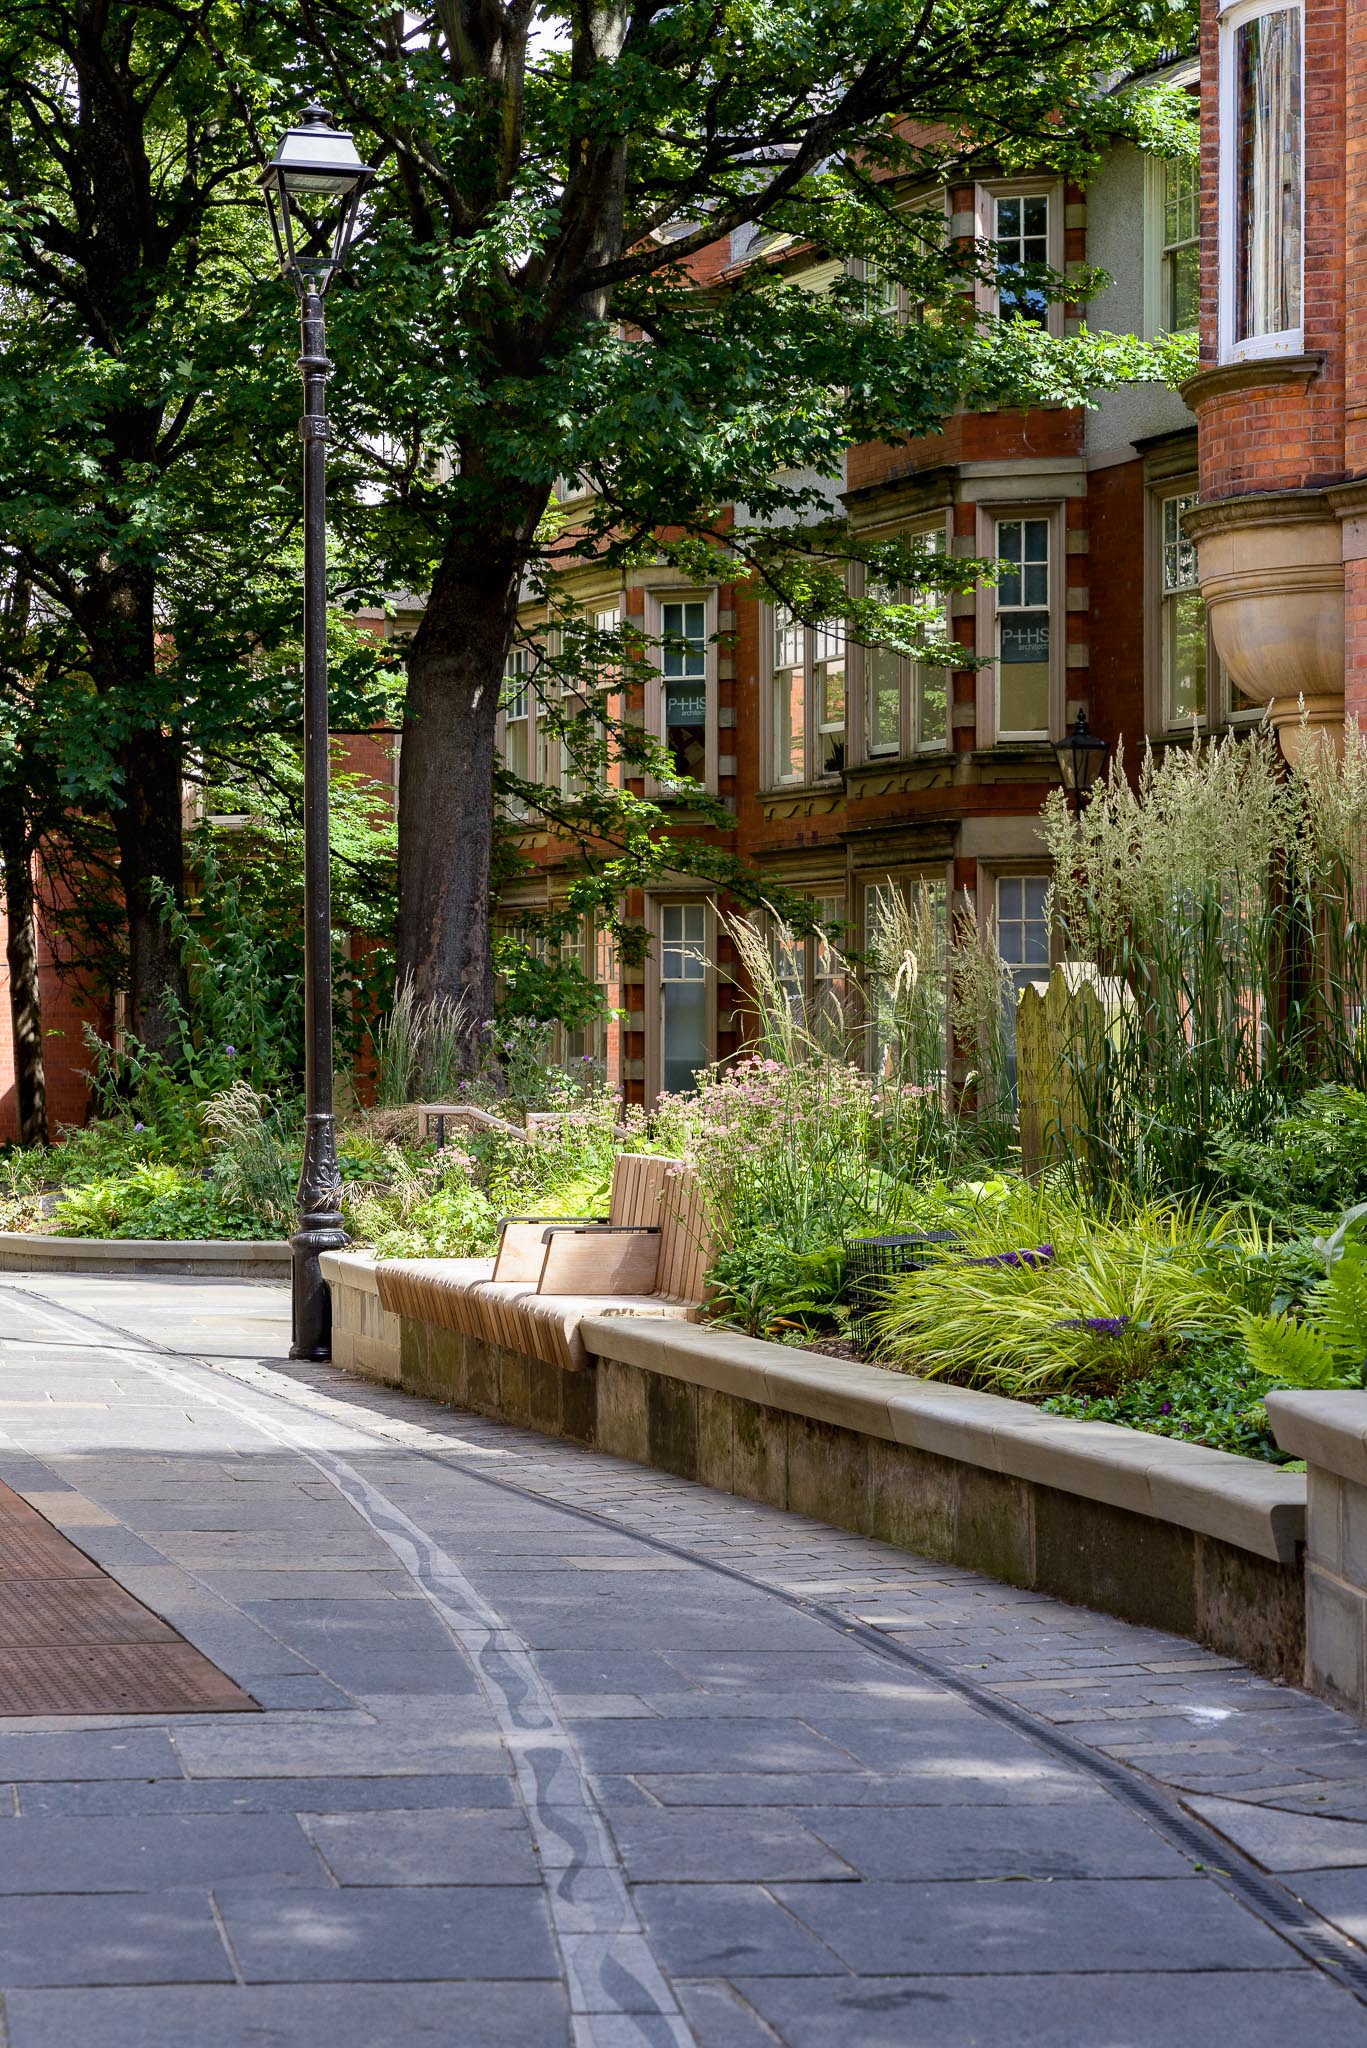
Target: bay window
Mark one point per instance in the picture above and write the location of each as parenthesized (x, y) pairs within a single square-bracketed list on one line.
[(906, 702), (807, 698), (1262, 197)]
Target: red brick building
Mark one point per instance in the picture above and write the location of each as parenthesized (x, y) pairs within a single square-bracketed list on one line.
[(849, 772)]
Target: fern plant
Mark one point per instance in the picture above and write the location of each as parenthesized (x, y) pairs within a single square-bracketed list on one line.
[(1328, 1347)]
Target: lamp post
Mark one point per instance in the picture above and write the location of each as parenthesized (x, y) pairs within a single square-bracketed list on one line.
[(1081, 754), (313, 186)]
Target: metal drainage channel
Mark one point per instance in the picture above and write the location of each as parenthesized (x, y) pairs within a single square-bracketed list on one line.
[(1323, 1945)]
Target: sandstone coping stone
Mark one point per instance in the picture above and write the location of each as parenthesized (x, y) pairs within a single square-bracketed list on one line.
[(1329, 1430), (24, 1251), (1326, 1429), (1254, 1507)]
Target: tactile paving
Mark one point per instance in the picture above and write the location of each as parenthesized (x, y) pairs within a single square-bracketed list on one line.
[(73, 1641)]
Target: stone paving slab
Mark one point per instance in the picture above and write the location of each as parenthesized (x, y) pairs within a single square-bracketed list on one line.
[(1263, 2010), (526, 1777), (482, 2015)]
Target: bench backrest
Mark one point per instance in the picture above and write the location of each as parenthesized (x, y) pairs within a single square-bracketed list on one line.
[(639, 1180), (686, 1248)]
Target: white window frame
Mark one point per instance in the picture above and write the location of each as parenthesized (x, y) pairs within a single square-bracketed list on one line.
[(1157, 278), (520, 662), (654, 1014), (912, 677), (600, 618), (994, 877), (832, 636), (811, 963), (655, 601), (1221, 710), (1289, 340), (591, 947), (989, 516), (989, 197)]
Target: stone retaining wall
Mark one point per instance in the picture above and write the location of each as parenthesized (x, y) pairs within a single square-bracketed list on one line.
[(1165, 1534), (221, 1258)]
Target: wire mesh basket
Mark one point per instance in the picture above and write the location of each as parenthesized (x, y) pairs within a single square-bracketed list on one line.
[(871, 1262)]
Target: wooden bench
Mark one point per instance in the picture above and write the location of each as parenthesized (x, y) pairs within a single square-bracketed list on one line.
[(648, 1257)]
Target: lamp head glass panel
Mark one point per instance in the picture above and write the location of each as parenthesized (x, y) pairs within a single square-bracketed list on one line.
[(1080, 754), (313, 186)]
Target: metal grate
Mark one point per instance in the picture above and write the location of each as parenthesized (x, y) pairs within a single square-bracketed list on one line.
[(72, 1641), (870, 1262)]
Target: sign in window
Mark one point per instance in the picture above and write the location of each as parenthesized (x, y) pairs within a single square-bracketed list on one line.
[(683, 662), (1024, 627)]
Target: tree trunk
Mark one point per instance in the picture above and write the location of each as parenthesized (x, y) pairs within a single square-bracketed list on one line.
[(147, 816), (446, 799), (25, 996), (150, 832)]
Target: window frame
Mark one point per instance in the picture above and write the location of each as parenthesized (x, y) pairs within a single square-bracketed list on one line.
[(989, 196), (519, 813), (594, 948), (1233, 16), (656, 598), (571, 782), (1221, 712), (830, 901), (990, 516), (911, 677), (813, 775), (655, 982)]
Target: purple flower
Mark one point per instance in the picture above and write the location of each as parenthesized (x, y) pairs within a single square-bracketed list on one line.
[(1099, 1326), (1166, 1408), (1040, 1256), (231, 1051), (139, 1127)]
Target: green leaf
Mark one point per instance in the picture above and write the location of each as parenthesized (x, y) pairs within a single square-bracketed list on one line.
[(1283, 1349)]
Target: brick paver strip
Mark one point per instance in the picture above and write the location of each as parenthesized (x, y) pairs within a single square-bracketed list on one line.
[(72, 1641)]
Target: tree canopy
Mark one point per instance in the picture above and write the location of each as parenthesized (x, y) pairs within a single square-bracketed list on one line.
[(575, 264)]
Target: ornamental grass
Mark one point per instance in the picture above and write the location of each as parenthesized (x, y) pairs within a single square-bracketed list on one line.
[(1043, 1293)]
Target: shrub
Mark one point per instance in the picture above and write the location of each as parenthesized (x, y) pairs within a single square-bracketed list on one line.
[(156, 1201), (1211, 1395), (429, 1210), (256, 1156), (1217, 898), (1326, 1346), (1312, 1162)]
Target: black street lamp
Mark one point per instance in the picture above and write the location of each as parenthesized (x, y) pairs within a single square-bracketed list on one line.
[(313, 186), (1081, 755)]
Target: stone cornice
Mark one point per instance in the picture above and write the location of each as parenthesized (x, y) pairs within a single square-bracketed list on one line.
[(1220, 378), (1258, 508)]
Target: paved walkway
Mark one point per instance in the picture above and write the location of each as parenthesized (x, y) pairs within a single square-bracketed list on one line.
[(557, 1751)]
